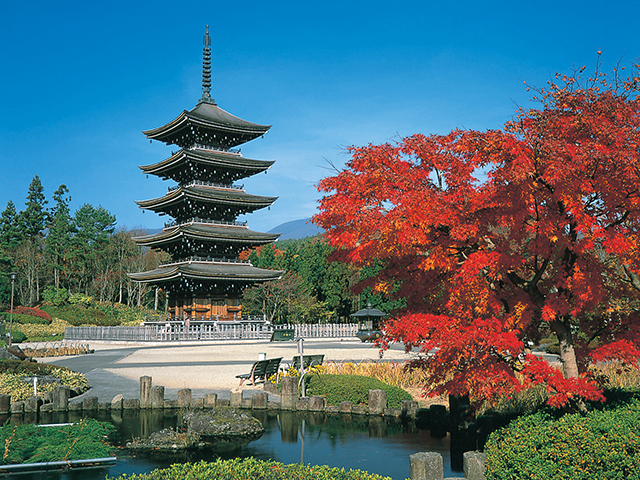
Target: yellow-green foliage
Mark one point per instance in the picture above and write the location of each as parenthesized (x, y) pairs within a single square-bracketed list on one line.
[(616, 375), (11, 373), (392, 373), (56, 328), (250, 468), (597, 446)]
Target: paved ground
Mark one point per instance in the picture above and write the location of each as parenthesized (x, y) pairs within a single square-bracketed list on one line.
[(207, 367)]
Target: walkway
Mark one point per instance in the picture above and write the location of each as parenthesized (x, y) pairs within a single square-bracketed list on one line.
[(203, 367)]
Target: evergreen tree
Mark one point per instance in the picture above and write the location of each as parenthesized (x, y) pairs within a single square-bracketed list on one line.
[(60, 230), (33, 219)]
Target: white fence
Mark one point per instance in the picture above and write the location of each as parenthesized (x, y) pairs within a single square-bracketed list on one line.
[(178, 331)]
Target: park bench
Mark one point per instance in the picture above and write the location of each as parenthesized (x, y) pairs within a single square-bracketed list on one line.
[(309, 361), (261, 371)]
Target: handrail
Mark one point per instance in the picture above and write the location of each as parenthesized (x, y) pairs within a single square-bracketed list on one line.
[(196, 258), (208, 221), (195, 183)]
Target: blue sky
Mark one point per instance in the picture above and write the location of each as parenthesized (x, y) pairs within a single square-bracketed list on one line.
[(81, 80)]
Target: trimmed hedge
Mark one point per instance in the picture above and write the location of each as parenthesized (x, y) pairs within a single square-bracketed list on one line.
[(29, 319), (77, 316), (250, 468), (598, 445), (352, 388)]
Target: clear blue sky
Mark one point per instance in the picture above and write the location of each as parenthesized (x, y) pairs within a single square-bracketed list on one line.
[(81, 80)]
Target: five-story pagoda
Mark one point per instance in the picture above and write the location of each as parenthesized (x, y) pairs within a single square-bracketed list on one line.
[(205, 277)]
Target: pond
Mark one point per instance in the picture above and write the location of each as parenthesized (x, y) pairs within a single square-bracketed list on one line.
[(375, 444)]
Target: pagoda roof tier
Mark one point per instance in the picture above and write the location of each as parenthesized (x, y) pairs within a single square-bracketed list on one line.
[(207, 233), (206, 165), (206, 202), (208, 272), (207, 124)]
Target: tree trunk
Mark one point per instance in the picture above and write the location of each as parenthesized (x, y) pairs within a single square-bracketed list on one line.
[(567, 351)]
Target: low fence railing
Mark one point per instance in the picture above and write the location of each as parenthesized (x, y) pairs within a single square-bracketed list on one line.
[(178, 331)]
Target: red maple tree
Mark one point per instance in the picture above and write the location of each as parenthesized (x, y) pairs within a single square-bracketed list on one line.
[(498, 238)]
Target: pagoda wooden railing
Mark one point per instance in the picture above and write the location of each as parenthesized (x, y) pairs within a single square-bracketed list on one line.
[(171, 331), (216, 148), (196, 258), (208, 184), (175, 223)]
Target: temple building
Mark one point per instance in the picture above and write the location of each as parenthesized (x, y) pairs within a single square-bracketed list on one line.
[(205, 278)]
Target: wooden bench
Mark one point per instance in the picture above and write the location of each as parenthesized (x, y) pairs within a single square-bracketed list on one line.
[(309, 361), (261, 371)]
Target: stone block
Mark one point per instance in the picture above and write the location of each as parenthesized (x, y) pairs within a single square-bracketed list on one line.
[(345, 407), (409, 408), (145, 392), (157, 397), (47, 397), (102, 406), (197, 403), (273, 405), (5, 404), (302, 404), (289, 393), (246, 403), (271, 388), (317, 403), (74, 406), (32, 404), (392, 412), (171, 404), (223, 402), (377, 402), (259, 400), (89, 404), (61, 398), (332, 409), (184, 398), (116, 402), (17, 407), (130, 403), (235, 399), (473, 464), (47, 407), (359, 409), (426, 466), (210, 400)]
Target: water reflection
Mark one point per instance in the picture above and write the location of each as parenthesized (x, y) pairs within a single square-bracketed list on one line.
[(376, 444)]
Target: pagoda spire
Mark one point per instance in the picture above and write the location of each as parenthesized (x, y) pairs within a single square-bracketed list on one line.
[(206, 68)]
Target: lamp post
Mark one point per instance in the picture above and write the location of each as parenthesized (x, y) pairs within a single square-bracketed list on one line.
[(13, 281)]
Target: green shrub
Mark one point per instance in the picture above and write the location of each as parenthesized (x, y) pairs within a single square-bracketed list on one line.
[(598, 445), (29, 320), (353, 388), (29, 443), (17, 336), (55, 296), (250, 468), (31, 311), (77, 316)]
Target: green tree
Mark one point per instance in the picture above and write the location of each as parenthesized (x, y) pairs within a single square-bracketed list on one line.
[(33, 219), (60, 228)]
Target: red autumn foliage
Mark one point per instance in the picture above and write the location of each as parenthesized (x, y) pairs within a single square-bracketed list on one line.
[(498, 238), (33, 311)]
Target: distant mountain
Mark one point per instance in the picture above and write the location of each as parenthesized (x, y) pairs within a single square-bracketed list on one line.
[(297, 229)]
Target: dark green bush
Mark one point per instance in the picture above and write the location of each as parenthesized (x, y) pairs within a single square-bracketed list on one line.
[(599, 445), (29, 443), (352, 388), (77, 316), (55, 296), (29, 319), (250, 468), (17, 336)]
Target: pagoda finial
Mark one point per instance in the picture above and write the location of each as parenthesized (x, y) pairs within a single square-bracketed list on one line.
[(206, 67)]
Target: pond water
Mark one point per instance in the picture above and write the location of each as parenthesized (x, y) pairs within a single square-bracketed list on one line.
[(375, 444)]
